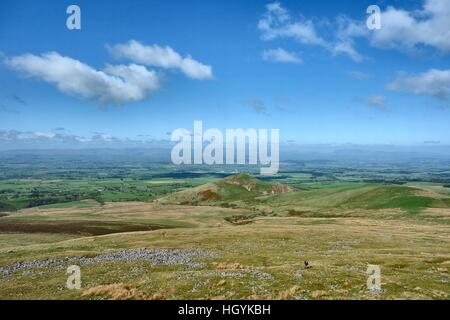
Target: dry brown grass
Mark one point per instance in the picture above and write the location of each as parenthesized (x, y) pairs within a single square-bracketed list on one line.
[(209, 195), (230, 266), (120, 291), (72, 227), (289, 293), (133, 211)]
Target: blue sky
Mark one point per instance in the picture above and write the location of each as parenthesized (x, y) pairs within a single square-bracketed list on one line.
[(310, 68)]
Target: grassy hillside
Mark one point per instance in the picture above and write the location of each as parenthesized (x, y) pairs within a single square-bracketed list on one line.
[(261, 260), (232, 191), (360, 196), (338, 199), (406, 198)]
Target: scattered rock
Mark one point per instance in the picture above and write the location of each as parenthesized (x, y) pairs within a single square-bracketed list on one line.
[(154, 256), (376, 291), (298, 275)]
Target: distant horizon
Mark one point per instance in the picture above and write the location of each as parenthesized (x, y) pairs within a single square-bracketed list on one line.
[(42, 144), (161, 152)]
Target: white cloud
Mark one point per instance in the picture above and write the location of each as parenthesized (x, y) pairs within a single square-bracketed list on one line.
[(401, 29), (280, 55), (276, 22), (35, 137), (347, 28), (433, 82), (429, 26), (14, 135), (163, 57), (48, 135), (116, 84), (346, 31), (16, 140), (346, 47)]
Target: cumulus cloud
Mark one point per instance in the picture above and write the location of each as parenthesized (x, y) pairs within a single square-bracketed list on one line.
[(277, 22), (346, 47), (115, 84), (402, 29), (346, 30), (163, 57), (17, 140), (280, 55), (17, 136), (433, 82)]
